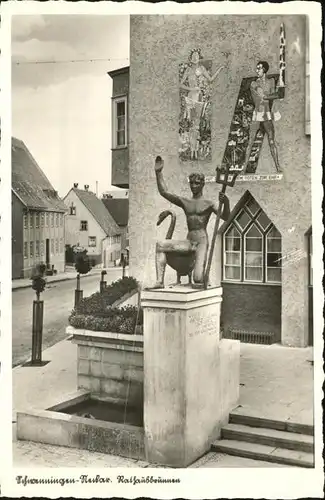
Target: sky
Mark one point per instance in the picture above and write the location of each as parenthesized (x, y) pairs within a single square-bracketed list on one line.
[(61, 107)]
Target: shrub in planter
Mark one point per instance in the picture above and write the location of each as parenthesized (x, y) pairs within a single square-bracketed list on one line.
[(99, 302), (119, 320), (96, 312)]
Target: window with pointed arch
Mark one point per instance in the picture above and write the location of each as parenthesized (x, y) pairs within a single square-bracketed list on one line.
[(252, 247)]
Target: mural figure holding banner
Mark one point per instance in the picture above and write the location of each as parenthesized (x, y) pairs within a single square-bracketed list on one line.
[(264, 92), (195, 93)]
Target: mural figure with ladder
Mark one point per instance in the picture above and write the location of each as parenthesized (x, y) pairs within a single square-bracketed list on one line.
[(254, 116)]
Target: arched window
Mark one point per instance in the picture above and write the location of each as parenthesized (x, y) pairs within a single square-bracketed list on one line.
[(252, 247)]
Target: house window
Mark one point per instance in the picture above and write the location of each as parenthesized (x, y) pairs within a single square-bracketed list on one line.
[(31, 220), (52, 246), (61, 220), (61, 245), (42, 247), (42, 220), (72, 209), (52, 219), (46, 220), (92, 241), (119, 122), (56, 246), (25, 250), (25, 221), (252, 247), (36, 248), (57, 220), (31, 248), (83, 225)]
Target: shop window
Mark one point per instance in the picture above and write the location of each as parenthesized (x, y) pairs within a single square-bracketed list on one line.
[(252, 247), (119, 122), (92, 241), (83, 225)]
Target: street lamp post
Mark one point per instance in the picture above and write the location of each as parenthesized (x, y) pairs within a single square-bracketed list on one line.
[(78, 293), (38, 312), (102, 283), (82, 267)]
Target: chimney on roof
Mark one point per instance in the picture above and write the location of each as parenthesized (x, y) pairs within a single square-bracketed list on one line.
[(75, 185), (86, 186)]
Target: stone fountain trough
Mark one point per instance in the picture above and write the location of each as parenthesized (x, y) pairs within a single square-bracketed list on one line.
[(106, 412), (164, 404)]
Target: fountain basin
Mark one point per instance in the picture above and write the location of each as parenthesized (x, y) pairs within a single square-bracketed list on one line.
[(111, 429)]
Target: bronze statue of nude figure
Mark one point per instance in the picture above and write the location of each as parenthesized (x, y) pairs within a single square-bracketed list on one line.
[(197, 211)]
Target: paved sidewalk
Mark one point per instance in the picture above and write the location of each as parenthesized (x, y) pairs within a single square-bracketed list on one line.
[(276, 381), (70, 274)]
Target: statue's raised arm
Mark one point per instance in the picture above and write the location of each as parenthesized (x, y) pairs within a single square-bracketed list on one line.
[(162, 188)]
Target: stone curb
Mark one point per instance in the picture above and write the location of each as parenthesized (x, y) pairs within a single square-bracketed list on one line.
[(66, 278)]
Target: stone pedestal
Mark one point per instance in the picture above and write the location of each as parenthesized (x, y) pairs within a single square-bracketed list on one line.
[(191, 377)]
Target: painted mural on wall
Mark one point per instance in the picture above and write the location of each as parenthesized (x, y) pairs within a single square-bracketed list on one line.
[(195, 79), (255, 114)]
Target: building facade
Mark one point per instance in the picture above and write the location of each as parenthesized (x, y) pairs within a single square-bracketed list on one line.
[(38, 224), (119, 210), (197, 98), (90, 226)]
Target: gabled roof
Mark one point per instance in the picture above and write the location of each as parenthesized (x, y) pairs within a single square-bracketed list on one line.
[(29, 182), (119, 209), (98, 211)]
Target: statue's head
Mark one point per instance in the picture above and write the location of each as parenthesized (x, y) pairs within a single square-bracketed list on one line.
[(262, 67), (197, 182), (195, 56)]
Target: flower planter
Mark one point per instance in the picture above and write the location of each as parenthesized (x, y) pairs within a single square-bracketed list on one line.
[(110, 365)]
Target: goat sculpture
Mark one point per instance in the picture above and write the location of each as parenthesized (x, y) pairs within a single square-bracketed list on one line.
[(182, 261)]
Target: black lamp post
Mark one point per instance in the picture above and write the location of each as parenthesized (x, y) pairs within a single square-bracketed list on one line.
[(82, 267), (102, 283), (38, 312)]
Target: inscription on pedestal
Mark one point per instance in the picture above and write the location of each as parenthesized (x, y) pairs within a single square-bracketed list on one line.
[(203, 325)]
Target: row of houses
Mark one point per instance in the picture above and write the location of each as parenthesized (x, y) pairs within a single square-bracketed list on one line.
[(47, 229)]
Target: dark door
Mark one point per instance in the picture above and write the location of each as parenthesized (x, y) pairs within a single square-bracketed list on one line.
[(47, 252)]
